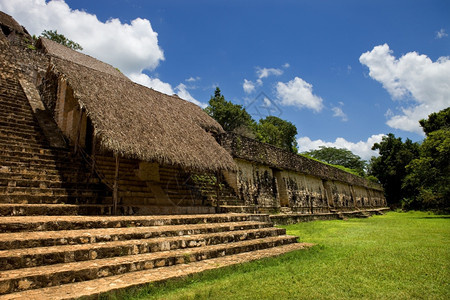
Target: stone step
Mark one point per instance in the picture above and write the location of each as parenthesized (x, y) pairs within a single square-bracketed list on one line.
[(13, 98), (12, 259), (27, 169), (33, 191), (17, 123), (19, 240), (95, 289), (53, 275), (71, 196), (22, 137), (52, 223), (21, 130), (8, 174), (7, 209), (25, 148), (39, 167), (6, 181), (17, 115), (238, 209), (19, 109), (69, 162), (10, 143), (32, 140), (6, 102)]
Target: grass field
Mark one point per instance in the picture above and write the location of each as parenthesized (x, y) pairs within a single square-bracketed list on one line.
[(394, 256)]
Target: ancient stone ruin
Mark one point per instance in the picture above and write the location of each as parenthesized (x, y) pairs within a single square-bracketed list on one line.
[(103, 181)]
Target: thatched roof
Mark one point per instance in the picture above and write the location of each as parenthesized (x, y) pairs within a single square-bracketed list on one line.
[(8, 21), (138, 122), (54, 49)]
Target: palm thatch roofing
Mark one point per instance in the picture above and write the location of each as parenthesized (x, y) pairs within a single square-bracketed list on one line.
[(138, 122), (57, 50), (8, 21)]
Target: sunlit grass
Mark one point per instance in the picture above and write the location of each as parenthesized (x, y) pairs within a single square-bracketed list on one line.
[(395, 256)]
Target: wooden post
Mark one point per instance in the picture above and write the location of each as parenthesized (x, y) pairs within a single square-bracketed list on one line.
[(116, 185), (94, 141), (77, 137), (217, 191)]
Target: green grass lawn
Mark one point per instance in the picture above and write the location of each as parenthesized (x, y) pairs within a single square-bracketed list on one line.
[(394, 256)]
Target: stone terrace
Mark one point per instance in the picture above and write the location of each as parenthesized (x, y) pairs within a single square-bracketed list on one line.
[(49, 251)]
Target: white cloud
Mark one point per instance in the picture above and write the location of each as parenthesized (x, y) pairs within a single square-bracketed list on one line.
[(266, 72), (248, 86), (130, 47), (154, 83), (441, 34), (339, 113), (298, 92), (361, 148), (193, 79), (183, 93), (424, 84)]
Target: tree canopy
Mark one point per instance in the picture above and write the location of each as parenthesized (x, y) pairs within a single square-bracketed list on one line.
[(61, 39), (417, 176), (231, 116), (436, 121), (429, 174), (278, 132), (235, 118), (341, 157)]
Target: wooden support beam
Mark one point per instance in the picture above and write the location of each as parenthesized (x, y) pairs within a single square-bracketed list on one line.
[(218, 191), (77, 137), (116, 185), (94, 141)]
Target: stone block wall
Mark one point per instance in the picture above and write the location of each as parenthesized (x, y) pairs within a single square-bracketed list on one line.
[(270, 177), (255, 184)]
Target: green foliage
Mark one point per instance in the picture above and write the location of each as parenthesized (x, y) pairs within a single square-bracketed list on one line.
[(395, 256), (61, 39), (278, 132), (417, 176), (436, 121), (231, 116), (234, 118), (340, 157), (390, 166), (429, 174)]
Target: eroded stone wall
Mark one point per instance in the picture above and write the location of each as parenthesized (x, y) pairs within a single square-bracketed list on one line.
[(305, 194), (255, 185), (270, 177)]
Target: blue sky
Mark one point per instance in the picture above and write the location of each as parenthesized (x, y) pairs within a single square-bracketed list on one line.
[(344, 72)]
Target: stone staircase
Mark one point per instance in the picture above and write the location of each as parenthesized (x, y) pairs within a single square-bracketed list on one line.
[(34, 177), (56, 240), (207, 187), (48, 250), (64, 257)]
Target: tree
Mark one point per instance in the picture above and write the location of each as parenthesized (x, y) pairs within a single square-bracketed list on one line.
[(390, 166), (429, 174), (232, 117), (341, 157), (278, 132), (436, 121), (61, 39)]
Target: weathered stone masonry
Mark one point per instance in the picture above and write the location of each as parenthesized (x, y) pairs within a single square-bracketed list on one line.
[(271, 178)]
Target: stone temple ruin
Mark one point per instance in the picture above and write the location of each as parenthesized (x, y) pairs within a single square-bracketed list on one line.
[(103, 181)]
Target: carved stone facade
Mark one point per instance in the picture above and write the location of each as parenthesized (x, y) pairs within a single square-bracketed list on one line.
[(272, 179)]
